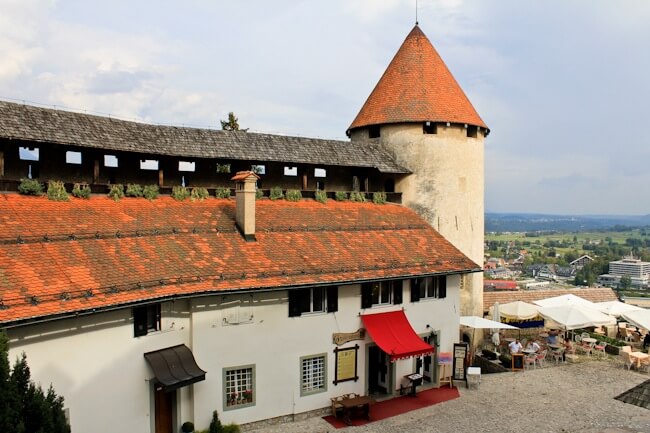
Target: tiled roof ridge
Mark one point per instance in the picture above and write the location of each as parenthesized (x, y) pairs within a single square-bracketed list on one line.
[(417, 86), (67, 295), (34, 239)]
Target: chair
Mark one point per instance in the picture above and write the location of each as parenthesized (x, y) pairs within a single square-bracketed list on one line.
[(599, 348), (530, 360), (577, 338), (541, 357), (585, 335), (557, 355), (626, 360), (336, 405)]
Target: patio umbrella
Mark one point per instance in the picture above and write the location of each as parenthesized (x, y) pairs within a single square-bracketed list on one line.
[(481, 323), (616, 308), (518, 310), (640, 318), (476, 322), (574, 316), (568, 299)]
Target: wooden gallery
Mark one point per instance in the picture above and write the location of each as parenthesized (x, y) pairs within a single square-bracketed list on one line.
[(146, 313)]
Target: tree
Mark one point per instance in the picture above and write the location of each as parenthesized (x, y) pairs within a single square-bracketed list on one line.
[(625, 283), (232, 124), (24, 407)]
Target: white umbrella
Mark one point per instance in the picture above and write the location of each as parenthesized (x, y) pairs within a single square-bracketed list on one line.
[(518, 310), (640, 318), (616, 308), (575, 316), (568, 299), (481, 323)]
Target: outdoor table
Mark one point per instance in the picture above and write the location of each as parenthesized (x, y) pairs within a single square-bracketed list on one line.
[(589, 340), (555, 346), (529, 351), (361, 404), (638, 357)]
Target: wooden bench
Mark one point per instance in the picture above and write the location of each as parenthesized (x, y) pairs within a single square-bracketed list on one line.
[(337, 407)]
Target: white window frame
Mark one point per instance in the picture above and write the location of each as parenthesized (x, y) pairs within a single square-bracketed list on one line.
[(313, 308), (291, 171), (111, 161), (236, 382), (381, 295), (431, 287), (73, 157), (313, 374)]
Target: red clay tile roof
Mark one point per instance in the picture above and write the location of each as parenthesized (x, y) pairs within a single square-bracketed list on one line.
[(590, 294), (58, 258), (417, 86)]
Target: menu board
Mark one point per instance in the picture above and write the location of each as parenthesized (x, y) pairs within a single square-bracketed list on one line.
[(460, 355), (346, 364)]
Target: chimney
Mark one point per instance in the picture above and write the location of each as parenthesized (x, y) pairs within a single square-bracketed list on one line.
[(245, 203)]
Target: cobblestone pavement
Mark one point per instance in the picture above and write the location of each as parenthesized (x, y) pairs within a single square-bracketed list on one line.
[(571, 398)]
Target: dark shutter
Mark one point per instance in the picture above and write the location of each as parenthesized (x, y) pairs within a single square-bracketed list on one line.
[(332, 299), (139, 321), (415, 290), (366, 295), (442, 289), (294, 303), (397, 292)]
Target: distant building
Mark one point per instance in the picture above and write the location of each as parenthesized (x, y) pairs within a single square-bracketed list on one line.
[(581, 261), (637, 270), (491, 285)]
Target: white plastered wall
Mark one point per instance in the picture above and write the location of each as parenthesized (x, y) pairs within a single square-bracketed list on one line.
[(97, 365)]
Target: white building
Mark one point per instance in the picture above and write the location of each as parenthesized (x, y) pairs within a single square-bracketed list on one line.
[(146, 314)]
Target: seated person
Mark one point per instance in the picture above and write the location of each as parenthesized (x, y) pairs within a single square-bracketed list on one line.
[(646, 341), (533, 345), (568, 348), (552, 336), (515, 346)]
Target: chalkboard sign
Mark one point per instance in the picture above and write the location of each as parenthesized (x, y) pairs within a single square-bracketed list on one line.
[(460, 356), (517, 361)]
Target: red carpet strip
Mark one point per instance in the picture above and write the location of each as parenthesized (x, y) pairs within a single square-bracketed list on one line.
[(399, 405)]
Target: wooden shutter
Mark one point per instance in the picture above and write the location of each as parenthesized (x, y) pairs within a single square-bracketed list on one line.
[(397, 292), (294, 303), (415, 290), (139, 321), (332, 299), (442, 286), (366, 295)]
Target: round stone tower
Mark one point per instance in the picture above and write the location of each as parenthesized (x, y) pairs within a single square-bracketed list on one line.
[(421, 115)]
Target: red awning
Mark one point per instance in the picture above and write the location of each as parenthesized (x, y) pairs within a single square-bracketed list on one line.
[(394, 335)]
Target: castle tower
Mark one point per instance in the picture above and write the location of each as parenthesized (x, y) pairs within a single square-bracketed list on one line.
[(419, 113)]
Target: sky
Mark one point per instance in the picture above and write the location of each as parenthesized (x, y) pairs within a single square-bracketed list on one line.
[(563, 85)]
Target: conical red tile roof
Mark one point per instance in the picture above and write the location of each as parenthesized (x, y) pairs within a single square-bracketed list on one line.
[(417, 87)]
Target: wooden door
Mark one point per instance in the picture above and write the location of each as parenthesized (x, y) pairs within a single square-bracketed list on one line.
[(164, 406)]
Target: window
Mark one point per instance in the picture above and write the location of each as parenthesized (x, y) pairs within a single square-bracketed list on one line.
[(320, 172), (186, 166), (472, 131), (313, 300), (291, 171), (429, 288), (313, 374), (148, 164), (72, 157), (381, 293), (258, 169), (110, 161), (430, 128), (146, 319), (238, 387), (28, 153), (374, 131)]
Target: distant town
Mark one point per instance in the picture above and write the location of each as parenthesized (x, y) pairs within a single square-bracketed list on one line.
[(615, 256)]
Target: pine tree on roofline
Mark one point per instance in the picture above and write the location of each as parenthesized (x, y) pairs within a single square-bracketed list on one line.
[(232, 124)]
